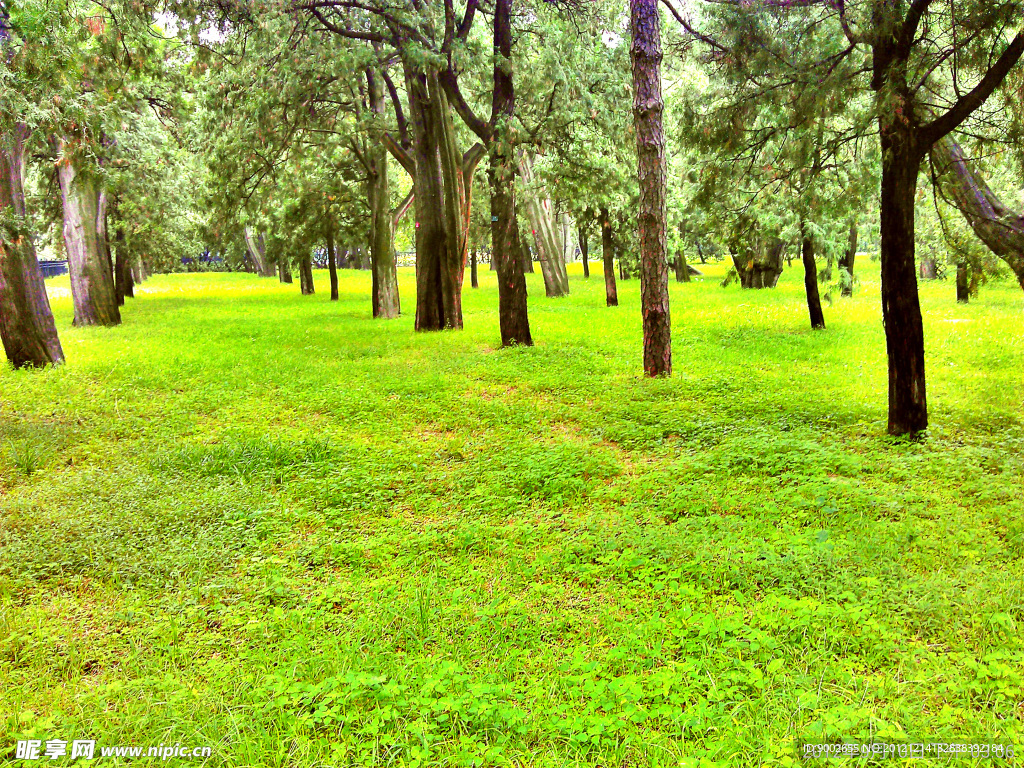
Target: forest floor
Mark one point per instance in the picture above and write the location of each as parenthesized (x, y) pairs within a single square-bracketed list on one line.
[(268, 524)]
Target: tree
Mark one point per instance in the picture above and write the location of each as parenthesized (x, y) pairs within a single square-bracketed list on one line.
[(919, 98), (27, 329), (648, 106)]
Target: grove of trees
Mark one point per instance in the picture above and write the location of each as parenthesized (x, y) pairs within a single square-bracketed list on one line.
[(271, 135)]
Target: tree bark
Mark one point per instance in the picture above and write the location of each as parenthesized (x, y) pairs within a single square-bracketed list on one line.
[(848, 259), (257, 249), (306, 275), (581, 233), (92, 277), (811, 279), (27, 329), (506, 245), (524, 250), (901, 309), (120, 266), (284, 272), (648, 109), (994, 222), (386, 302), (546, 236), (129, 278), (474, 281), (608, 253), (438, 298), (332, 266), (681, 267), (758, 261)]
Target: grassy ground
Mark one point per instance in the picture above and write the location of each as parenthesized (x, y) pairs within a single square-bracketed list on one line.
[(270, 524)]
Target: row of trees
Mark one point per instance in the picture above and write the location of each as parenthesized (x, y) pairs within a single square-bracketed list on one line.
[(261, 130)]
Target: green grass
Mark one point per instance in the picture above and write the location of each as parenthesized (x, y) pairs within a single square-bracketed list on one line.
[(270, 524)]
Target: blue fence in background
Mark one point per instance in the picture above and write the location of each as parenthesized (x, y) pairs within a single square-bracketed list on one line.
[(53, 268)]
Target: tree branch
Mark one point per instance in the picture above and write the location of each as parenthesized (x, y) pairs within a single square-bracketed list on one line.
[(970, 101)]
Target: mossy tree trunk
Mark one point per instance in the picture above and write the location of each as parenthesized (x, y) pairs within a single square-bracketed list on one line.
[(92, 274)]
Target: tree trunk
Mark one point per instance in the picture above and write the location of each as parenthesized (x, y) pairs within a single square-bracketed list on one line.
[(682, 268), (120, 266), (928, 268), (581, 233), (284, 272), (257, 249), (546, 236), (438, 299), (506, 245), (524, 249), (848, 259), (332, 266), (963, 282), (608, 253), (473, 279), (306, 275), (994, 222), (92, 277), (811, 279), (27, 329), (648, 108), (901, 310), (129, 277), (386, 302), (758, 262), (137, 275)]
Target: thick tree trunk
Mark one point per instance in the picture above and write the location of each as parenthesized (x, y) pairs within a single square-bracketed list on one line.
[(438, 298), (27, 329), (648, 108), (257, 249), (137, 272), (928, 268), (386, 302), (92, 277), (608, 254), (474, 280), (758, 263), (811, 280), (581, 233), (994, 222), (545, 230), (284, 272), (332, 266), (848, 259), (682, 268), (306, 275), (901, 310)]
